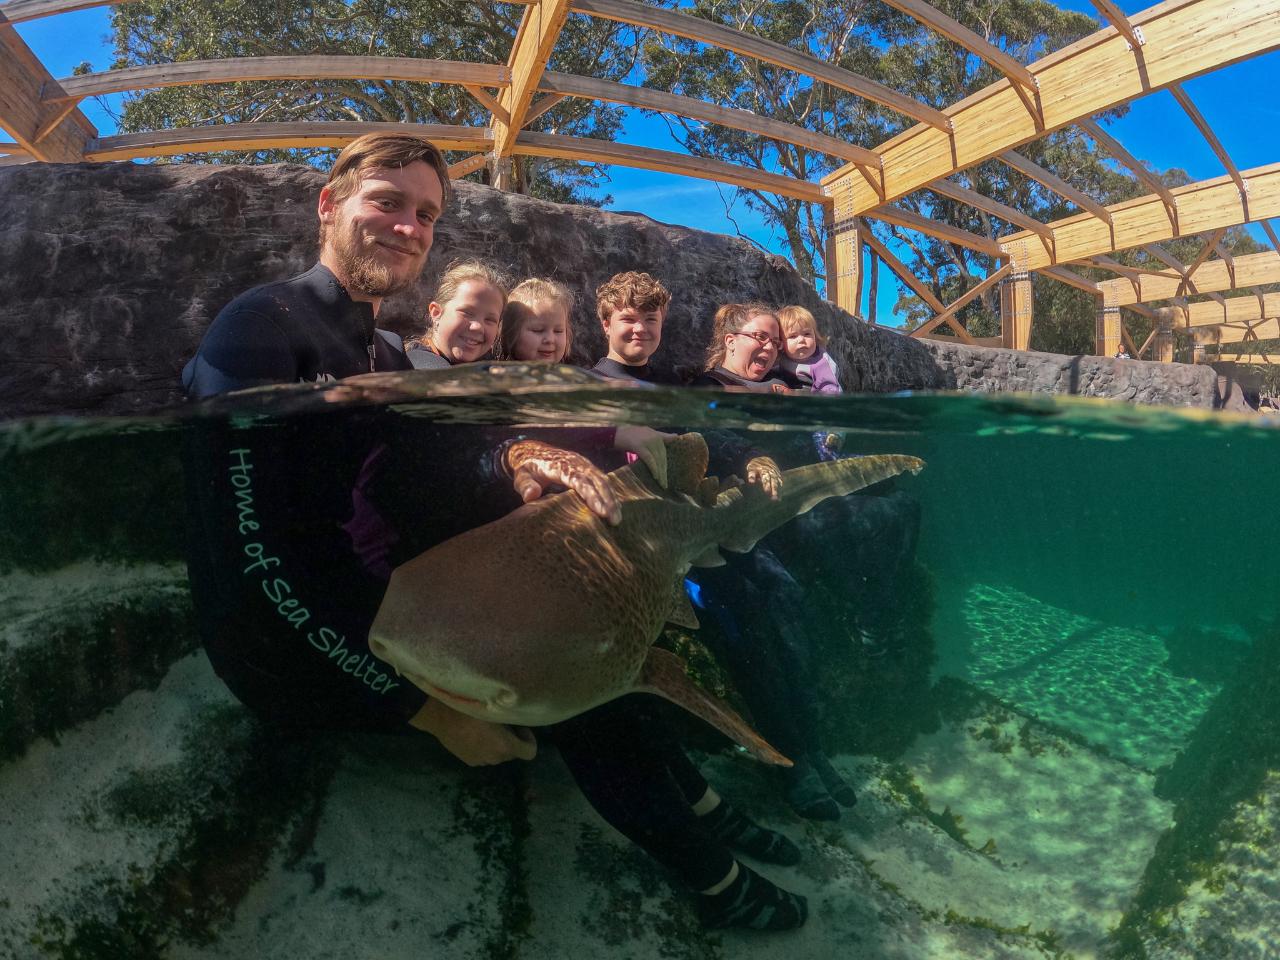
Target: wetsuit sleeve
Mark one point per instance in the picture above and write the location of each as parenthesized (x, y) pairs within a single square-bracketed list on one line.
[(243, 348)]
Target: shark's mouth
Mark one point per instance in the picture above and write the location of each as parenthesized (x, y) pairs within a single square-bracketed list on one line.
[(448, 696)]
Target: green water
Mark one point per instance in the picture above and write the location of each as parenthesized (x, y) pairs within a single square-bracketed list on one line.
[(1064, 744)]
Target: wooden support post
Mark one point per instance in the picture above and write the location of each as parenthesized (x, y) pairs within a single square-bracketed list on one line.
[(1108, 332), (1016, 302), (844, 260), (1164, 335)]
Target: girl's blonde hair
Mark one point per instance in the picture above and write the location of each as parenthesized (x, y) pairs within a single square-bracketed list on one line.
[(796, 319), (455, 275), (519, 310), (731, 318)]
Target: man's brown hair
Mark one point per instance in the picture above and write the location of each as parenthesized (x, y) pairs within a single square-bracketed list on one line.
[(384, 151), (640, 291)]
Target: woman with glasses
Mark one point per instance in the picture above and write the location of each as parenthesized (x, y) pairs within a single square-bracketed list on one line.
[(764, 632), (745, 344)]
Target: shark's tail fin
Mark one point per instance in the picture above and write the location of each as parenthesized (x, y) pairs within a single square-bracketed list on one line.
[(746, 513)]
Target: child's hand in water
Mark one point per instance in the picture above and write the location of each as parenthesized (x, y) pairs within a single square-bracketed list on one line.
[(535, 465), (647, 444), (764, 471)]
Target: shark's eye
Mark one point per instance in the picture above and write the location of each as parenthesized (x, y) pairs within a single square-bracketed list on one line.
[(505, 698)]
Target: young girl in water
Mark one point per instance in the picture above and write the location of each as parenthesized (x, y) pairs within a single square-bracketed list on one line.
[(464, 315), (804, 358), (535, 324)]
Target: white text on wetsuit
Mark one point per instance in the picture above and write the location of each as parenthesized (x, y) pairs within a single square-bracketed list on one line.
[(278, 590)]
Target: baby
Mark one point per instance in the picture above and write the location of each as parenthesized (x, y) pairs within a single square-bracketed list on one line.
[(535, 323), (804, 360)]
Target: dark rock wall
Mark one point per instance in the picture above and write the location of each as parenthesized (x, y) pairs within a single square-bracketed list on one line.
[(111, 273)]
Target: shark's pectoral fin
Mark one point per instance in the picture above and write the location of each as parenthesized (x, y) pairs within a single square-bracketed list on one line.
[(663, 674), (681, 613), (710, 557)]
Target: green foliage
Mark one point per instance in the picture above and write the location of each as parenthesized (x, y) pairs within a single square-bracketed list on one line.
[(169, 31)]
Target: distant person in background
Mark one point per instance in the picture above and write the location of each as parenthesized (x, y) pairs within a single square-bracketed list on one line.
[(464, 313), (805, 361), (536, 325), (1122, 352)]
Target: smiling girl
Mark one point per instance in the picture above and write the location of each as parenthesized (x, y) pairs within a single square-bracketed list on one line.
[(535, 324), (464, 314)]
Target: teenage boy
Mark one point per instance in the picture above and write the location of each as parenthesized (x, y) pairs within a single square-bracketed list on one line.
[(631, 307)]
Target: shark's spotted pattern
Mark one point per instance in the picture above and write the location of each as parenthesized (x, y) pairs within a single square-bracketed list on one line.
[(571, 605)]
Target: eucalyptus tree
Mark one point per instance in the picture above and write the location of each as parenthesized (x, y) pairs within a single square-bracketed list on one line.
[(166, 31)]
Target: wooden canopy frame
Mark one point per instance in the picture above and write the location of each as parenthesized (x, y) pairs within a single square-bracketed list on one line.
[(1157, 49)]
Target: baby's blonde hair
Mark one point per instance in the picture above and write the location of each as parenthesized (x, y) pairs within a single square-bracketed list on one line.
[(795, 319), (519, 310)]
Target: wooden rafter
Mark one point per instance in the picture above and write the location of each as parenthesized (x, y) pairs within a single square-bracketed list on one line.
[(1071, 279), (1233, 310), (262, 136), (972, 198), (948, 315), (1210, 137), (605, 151), (18, 11), (1271, 235), (935, 228), (237, 69), (46, 132), (957, 32), (758, 48), (899, 268), (1184, 39), (1202, 206), (1052, 181), (1267, 329), (1148, 179), (542, 105), (1212, 276), (1117, 19), (471, 164), (648, 99), (536, 38)]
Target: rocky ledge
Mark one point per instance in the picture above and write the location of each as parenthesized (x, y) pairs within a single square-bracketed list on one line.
[(113, 271)]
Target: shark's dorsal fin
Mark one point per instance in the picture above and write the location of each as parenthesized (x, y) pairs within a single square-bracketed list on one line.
[(681, 613), (663, 674)]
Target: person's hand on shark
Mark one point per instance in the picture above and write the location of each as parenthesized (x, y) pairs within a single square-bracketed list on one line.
[(477, 743), (647, 444), (765, 472), (535, 466)]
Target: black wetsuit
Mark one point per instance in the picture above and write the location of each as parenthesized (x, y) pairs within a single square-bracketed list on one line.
[(424, 357), (296, 525), (613, 370)]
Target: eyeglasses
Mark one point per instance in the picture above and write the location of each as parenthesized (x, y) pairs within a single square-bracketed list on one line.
[(760, 337)]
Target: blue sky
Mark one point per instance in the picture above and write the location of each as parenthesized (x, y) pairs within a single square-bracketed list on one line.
[(1155, 130)]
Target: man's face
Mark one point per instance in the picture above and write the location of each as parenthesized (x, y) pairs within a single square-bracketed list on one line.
[(377, 239), (633, 334)]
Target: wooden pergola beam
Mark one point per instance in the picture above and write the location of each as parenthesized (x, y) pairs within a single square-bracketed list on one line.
[(758, 48), (903, 274), (1046, 178), (263, 136), (588, 150), (953, 30), (1117, 19), (1233, 310), (1210, 137), (1185, 38), (646, 98), (935, 228), (232, 70), (1203, 206), (947, 316), (1211, 277), (1071, 279), (1268, 329), (477, 161), (46, 132), (536, 38), (972, 198), (1148, 179), (18, 11)]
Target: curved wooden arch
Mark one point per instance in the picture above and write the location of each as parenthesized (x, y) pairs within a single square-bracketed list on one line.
[(195, 72), (263, 136)]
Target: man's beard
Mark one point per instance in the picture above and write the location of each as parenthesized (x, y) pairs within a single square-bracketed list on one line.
[(362, 271)]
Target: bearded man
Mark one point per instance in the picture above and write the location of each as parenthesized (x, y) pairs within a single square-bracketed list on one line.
[(290, 548)]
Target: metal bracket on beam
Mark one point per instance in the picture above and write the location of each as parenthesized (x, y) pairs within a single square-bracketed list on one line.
[(1137, 35), (838, 228)]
